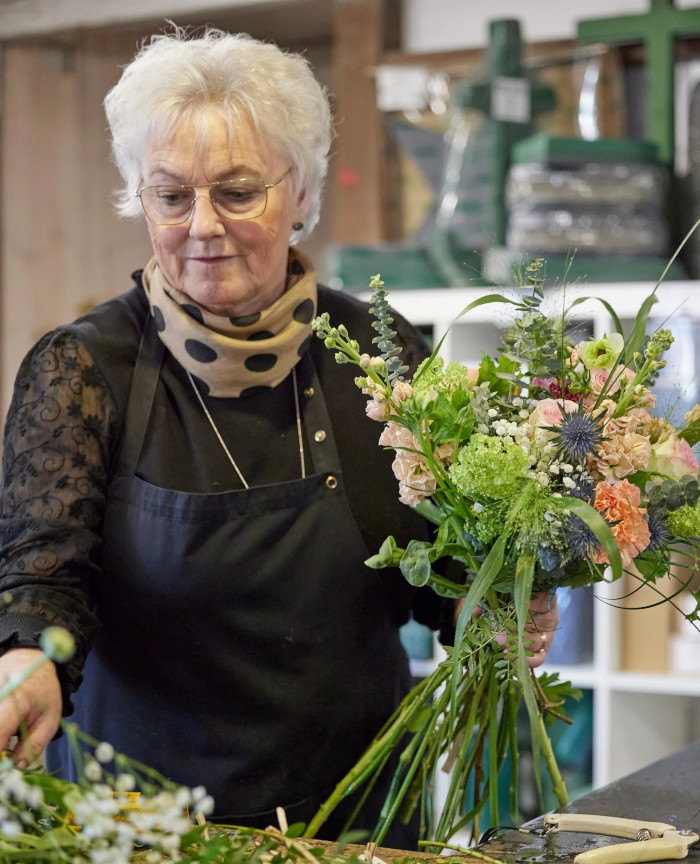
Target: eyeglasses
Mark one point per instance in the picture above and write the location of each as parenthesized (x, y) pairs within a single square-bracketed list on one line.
[(236, 200)]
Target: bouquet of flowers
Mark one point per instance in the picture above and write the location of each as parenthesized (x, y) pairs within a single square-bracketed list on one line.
[(544, 466)]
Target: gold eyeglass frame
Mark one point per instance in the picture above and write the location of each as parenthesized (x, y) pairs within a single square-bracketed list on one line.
[(208, 186)]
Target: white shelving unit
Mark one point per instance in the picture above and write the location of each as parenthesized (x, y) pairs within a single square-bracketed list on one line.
[(638, 718)]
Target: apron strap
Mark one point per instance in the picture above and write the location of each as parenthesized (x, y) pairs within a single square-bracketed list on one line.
[(323, 448), (324, 451), (143, 387)]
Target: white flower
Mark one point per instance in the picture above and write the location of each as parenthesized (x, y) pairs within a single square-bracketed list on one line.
[(569, 483), (170, 843), (206, 805), (125, 783), (478, 508), (10, 828), (92, 770), (198, 793), (104, 752), (492, 412)]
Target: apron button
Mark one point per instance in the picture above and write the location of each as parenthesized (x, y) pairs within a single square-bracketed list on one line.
[(331, 481), (309, 392), (319, 436)]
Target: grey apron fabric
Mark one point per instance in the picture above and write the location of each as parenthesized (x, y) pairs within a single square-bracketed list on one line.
[(245, 646)]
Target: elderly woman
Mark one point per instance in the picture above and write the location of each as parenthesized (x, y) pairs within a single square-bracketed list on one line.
[(189, 486)]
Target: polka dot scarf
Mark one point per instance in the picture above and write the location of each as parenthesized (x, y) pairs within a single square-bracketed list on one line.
[(236, 356)]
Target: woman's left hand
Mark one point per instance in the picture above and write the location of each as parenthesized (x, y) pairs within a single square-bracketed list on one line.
[(541, 626)]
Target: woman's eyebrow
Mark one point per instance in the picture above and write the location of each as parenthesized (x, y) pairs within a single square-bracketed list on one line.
[(234, 173)]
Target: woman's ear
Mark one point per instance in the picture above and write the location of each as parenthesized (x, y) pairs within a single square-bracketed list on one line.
[(302, 205)]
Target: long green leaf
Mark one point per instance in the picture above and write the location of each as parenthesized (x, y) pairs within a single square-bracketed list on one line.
[(524, 577), (483, 580), (613, 314), (635, 340), (480, 301)]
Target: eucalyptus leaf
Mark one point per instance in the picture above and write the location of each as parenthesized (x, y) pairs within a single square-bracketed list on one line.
[(415, 563), (389, 555)]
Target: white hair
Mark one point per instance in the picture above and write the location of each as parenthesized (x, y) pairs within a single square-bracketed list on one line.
[(176, 77)]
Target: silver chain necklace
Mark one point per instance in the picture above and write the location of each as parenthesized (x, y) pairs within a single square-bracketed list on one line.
[(300, 434)]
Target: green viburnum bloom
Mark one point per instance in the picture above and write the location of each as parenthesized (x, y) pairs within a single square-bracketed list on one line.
[(685, 522), (489, 467), (441, 377), (601, 353)]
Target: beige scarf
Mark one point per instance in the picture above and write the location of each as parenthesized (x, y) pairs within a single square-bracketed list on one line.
[(232, 356)]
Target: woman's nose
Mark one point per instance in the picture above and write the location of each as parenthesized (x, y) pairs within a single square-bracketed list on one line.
[(205, 221)]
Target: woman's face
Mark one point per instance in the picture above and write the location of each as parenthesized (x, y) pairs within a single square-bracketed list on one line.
[(231, 268)]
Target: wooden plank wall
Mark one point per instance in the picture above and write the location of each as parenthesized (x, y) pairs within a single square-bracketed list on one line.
[(62, 248)]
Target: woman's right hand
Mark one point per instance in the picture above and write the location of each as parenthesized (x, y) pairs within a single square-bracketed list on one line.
[(36, 705)]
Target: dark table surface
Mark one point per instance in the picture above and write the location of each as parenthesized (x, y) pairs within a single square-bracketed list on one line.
[(666, 791)]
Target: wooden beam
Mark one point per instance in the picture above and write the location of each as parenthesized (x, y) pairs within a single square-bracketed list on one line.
[(358, 46), (28, 18)]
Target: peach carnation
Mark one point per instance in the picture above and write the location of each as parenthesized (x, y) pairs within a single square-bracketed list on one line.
[(619, 504), (619, 455)]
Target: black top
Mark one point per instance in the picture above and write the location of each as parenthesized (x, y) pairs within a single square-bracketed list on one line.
[(64, 430)]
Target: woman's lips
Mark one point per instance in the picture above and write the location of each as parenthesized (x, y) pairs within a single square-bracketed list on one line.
[(211, 259)]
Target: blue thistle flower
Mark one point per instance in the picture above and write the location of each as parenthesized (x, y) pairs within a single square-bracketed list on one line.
[(585, 491), (659, 533), (579, 434), (547, 558), (581, 541)]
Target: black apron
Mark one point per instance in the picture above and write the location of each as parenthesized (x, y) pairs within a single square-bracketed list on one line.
[(245, 646)]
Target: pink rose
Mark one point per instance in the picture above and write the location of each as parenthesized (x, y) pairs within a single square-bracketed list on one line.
[(673, 457), (473, 375), (549, 412), (599, 378)]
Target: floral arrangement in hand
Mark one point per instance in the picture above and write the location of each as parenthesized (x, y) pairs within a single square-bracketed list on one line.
[(545, 466)]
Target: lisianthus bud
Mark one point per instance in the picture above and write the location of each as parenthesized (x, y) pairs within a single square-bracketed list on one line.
[(57, 643)]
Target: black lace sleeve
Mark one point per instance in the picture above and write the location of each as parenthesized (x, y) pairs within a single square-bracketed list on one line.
[(52, 494)]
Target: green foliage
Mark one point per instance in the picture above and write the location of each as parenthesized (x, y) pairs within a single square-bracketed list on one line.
[(671, 495)]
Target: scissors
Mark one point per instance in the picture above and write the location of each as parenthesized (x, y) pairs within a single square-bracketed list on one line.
[(651, 841)]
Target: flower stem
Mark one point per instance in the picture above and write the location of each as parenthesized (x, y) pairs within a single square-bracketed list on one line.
[(558, 783), (411, 705)]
